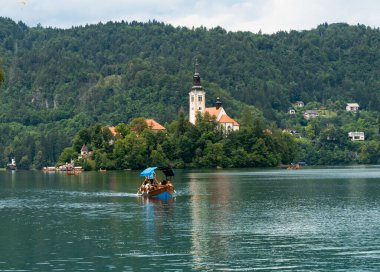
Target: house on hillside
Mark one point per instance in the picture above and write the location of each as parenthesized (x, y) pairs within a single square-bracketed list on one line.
[(308, 114), (353, 107), (291, 111), (151, 124), (356, 136), (113, 131), (154, 125), (197, 103), (299, 104), (84, 153)]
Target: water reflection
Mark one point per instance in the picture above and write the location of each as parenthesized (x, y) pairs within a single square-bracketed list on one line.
[(253, 219), (210, 210), (156, 213)]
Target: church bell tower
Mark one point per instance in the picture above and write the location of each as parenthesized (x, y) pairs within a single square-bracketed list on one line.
[(197, 96)]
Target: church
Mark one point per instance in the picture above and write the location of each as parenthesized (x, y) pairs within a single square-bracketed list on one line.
[(197, 102)]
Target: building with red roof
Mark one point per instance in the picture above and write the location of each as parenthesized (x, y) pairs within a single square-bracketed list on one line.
[(154, 125), (197, 103), (113, 131)]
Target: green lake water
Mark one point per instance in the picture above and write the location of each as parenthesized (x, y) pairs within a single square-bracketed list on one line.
[(220, 220)]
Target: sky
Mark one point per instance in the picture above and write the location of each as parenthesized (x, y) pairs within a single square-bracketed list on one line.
[(267, 16)]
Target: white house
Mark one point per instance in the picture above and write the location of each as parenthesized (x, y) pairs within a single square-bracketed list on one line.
[(352, 107), (356, 136), (291, 111)]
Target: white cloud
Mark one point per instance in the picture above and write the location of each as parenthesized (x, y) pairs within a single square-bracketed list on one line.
[(248, 15)]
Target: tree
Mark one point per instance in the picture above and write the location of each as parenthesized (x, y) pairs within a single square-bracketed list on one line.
[(246, 118), (131, 152), (157, 157), (1, 76), (212, 156), (39, 160), (67, 155), (138, 125), (81, 138), (24, 163)]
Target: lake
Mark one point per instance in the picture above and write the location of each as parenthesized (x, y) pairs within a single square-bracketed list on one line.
[(220, 220)]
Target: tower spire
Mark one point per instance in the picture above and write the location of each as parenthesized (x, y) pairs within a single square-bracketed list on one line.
[(196, 76), (196, 66), (218, 103)]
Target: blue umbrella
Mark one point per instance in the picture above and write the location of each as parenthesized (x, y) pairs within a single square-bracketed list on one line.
[(148, 172)]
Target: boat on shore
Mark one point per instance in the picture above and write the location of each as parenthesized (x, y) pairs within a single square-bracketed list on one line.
[(74, 171), (294, 166), (152, 187), (48, 169), (12, 165)]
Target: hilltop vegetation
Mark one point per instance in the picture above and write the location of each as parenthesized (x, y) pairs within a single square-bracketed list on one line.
[(60, 81), (182, 145)]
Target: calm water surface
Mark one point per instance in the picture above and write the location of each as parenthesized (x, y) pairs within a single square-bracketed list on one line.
[(225, 220)]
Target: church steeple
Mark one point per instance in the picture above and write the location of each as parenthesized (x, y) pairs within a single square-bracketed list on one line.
[(197, 96), (196, 77)]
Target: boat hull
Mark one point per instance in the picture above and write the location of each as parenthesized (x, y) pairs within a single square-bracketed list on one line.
[(162, 191)]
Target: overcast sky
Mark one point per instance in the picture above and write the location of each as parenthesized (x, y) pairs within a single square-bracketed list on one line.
[(269, 16)]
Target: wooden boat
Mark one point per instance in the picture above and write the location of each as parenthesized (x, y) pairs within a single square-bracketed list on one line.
[(74, 171), (294, 166), (151, 187)]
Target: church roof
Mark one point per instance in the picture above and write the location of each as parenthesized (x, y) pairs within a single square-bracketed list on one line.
[(213, 111), (84, 148), (153, 125), (226, 119)]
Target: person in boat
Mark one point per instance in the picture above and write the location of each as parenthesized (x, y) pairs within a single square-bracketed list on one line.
[(153, 179), (146, 181), (151, 182)]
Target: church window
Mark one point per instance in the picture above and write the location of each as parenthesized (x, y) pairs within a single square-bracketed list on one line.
[(200, 98), (200, 108), (192, 98)]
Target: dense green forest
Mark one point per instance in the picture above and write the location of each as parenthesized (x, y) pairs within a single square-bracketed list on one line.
[(181, 145), (59, 81)]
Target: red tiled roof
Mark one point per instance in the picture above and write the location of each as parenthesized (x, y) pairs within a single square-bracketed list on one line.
[(226, 119), (213, 111), (152, 124), (113, 131)]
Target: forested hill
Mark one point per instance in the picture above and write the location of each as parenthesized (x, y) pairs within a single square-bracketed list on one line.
[(57, 81), (116, 71)]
